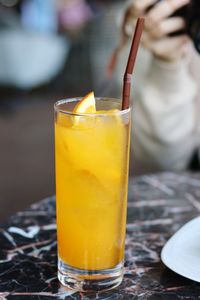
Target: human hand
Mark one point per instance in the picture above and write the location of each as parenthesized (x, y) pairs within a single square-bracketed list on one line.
[(158, 26)]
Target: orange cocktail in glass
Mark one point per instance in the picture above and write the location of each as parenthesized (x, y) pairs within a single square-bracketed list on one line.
[(92, 155)]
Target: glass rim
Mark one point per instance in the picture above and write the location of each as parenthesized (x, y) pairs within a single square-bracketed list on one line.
[(71, 113)]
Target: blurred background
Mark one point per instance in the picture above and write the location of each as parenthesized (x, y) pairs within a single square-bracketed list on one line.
[(49, 49)]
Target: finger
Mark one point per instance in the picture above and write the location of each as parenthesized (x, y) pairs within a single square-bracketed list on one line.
[(163, 10), (167, 26), (139, 7), (128, 27), (170, 48)]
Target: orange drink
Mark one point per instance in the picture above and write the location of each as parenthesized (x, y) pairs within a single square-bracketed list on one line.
[(92, 154)]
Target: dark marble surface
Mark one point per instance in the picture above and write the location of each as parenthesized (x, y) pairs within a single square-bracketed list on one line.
[(158, 206)]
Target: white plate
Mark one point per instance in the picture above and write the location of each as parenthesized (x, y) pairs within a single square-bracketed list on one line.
[(181, 253)]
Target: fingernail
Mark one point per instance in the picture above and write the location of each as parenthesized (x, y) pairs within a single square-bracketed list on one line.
[(186, 39), (183, 1), (186, 47)]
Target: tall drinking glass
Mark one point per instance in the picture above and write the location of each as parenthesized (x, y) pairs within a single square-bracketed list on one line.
[(92, 156)]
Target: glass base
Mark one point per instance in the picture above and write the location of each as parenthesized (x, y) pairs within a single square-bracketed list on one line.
[(89, 281)]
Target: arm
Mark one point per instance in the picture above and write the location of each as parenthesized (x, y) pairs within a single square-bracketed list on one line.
[(164, 122)]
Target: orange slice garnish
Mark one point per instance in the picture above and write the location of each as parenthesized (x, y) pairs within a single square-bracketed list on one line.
[(86, 105)]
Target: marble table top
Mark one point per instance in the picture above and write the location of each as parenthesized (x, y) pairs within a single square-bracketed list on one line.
[(158, 206)]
